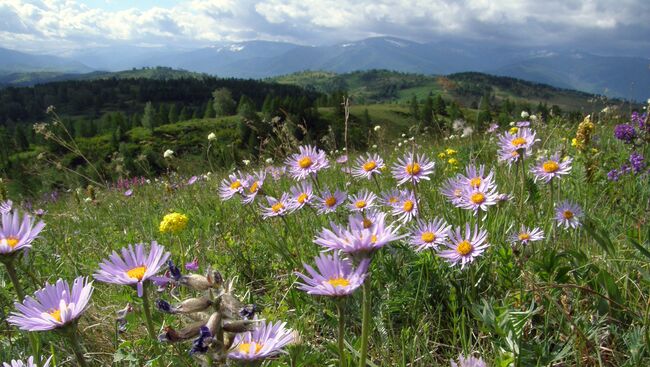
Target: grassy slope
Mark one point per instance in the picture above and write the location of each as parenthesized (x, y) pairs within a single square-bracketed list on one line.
[(418, 300), (369, 86)]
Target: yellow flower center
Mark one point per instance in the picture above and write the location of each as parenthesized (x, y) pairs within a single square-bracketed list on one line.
[(11, 241), (137, 273), (369, 166), (360, 204), (413, 169), (524, 236), (408, 205), (56, 314), (305, 162), (367, 223), (550, 166), (339, 282), (517, 142), (392, 199), (373, 238), (477, 198), (277, 207), (428, 237), (464, 248), (475, 182), (235, 185), (254, 187), (302, 197), (246, 347), (514, 154), (330, 201), (458, 193), (567, 214)]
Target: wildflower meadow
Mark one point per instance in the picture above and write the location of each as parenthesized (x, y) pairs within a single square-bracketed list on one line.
[(527, 244)]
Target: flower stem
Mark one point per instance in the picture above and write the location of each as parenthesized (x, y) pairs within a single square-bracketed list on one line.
[(74, 336), (365, 325), (339, 308), (34, 341), (147, 313)]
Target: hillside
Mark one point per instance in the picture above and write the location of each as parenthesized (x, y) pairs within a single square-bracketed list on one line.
[(155, 73), (379, 86)]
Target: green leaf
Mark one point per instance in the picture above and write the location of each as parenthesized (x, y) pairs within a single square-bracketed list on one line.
[(639, 247)]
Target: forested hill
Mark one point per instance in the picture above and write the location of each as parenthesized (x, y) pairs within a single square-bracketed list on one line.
[(376, 86), (92, 98)]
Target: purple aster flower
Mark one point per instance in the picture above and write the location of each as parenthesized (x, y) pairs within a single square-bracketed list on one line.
[(335, 276), (192, 265), (277, 207), (465, 248), (525, 235), (636, 162), (412, 168), (230, 187), (342, 159), (128, 193), (452, 190), (308, 161), (40, 212), (363, 200), (407, 208), (468, 362), (391, 198), (429, 234), (252, 186), (512, 146), (266, 341), (134, 267), (552, 167), (29, 363), (493, 127), (329, 201), (625, 133), (357, 238), (192, 180), (368, 165), (17, 234), (301, 194), (6, 206), (476, 176), (53, 306), (367, 219), (479, 198), (568, 214), (522, 123)]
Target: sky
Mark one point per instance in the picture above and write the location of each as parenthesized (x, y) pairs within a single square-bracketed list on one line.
[(59, 26)]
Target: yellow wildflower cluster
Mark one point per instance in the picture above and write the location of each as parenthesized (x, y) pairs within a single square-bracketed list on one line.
[(514, 130), (173, 223), (448, 155), (583, 135)]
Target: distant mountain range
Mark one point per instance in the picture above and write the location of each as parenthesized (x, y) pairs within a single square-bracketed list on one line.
[(613, 76)]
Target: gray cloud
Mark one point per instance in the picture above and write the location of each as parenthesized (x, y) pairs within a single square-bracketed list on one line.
[(605, 26)]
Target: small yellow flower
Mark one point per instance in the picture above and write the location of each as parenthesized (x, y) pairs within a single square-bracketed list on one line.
[(450, 151), (453, 161), (513, 130), (173, 223), (442, 155), (574, 142)]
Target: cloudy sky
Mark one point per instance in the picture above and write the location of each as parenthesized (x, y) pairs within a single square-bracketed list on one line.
[(57, 26)]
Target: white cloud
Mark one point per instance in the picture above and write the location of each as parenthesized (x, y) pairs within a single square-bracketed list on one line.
[(52, 24)]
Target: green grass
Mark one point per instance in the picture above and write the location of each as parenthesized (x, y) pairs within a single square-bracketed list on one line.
[(578, 298)]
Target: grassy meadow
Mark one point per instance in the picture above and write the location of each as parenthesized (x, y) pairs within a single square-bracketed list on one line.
[(579, 297)]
